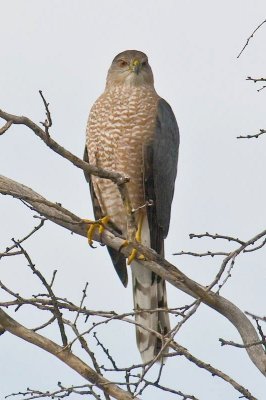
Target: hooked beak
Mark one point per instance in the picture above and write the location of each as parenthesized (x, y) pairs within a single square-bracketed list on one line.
[(135, 66)]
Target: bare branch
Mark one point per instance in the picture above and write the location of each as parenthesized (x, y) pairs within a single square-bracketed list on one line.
[(255, 248), (64, 355), (81, 302), (48, 122), (206, 254), (232, 256), (61, 393), (51, 320), (256, 135), (250, 37), (256, 317), (35, 229), (241, 346), (215, 372), (154, 262), (57, 313), (119, 179), (6, 127), (85, 346), (215, 236), (255, 80), (166, 389)]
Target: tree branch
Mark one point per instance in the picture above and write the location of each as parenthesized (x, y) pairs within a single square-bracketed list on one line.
[(117, 178), (250, 37), (64, 355), (153, 261), (256, 135)]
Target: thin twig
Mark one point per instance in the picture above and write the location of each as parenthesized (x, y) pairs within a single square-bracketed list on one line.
[(215, 236), (57, 312), (250, 37), (241, 346), (256, 135), (206, 254), (105, 350), (51, 320), (35, 229), (48, 122), (84, 291)]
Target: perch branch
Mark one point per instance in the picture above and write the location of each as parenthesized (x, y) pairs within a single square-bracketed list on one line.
[(154, 262)]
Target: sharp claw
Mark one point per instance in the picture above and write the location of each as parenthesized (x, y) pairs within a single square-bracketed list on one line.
[(90, 234), (93, 225), (132, 256)]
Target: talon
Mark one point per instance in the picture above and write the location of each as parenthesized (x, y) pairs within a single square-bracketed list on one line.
[(101, 225), (90, 234), (134, 252), (132, 256)]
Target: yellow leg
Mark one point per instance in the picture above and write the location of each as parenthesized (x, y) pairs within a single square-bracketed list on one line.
[(134, 252), (132, 256), (96, 225)]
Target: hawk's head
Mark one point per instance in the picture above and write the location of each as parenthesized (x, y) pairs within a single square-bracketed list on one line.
[(131, 68)]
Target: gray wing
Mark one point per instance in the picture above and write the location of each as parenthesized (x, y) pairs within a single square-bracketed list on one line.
[(118, 259), (160, 168)]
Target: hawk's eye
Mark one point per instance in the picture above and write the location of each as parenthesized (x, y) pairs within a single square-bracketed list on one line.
[(122, 63), (144, 63)]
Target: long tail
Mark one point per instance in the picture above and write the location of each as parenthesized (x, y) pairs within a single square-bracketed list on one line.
[(149, 293)]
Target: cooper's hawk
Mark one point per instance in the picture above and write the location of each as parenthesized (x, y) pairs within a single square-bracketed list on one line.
[(133, 131)]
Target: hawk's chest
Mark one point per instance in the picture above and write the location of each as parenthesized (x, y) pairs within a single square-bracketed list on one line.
[(120, 123)]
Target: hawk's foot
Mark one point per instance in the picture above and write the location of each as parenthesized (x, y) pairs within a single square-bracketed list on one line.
[(93, 225), (134, 253)]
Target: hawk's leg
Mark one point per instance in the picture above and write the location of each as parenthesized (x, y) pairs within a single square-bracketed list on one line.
[(134, 252), (100, 225)]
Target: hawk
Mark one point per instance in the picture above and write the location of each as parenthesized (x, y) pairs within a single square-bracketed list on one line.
[(133, 131)]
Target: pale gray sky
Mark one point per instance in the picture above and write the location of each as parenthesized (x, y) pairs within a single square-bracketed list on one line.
[(65, 48)]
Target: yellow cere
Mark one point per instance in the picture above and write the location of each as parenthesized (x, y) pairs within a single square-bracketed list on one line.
[(136, 63)]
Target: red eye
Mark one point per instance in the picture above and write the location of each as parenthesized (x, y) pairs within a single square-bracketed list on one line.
[(122, 63)]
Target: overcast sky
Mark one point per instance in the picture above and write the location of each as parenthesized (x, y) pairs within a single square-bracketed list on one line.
[(65, 48)]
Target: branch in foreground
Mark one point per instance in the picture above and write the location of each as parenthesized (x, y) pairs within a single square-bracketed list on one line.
[(154, 262), (55, 303), (179, 350), (60, 393), (64, 355)]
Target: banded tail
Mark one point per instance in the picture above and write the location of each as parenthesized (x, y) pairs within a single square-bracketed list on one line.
[(149, 293)]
